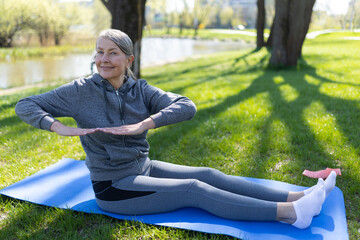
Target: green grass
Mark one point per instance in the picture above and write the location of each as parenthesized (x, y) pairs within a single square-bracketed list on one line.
[(204, 34), (32, 52), (251, 121)]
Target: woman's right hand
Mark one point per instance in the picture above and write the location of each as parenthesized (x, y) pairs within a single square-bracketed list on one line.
[(63, 130)]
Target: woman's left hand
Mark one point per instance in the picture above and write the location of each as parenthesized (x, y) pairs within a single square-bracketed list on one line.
[(132, 129)]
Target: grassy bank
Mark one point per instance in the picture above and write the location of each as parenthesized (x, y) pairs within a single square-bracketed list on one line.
[(33, 52), (37, 51), (251, 121), (204, 34)]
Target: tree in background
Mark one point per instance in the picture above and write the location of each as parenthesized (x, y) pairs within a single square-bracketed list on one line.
[(13, 18), (226, 15), (260, 24), (288, 31), (238, 18), (67, 15), (324, 17), (160, 15), (184, 16), (101, 18), (193, 14), (353, 13), (50, 20), (129, 17), (43, 17), (200, 12)]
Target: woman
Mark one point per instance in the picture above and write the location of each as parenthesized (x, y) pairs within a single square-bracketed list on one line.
[(114, 111)]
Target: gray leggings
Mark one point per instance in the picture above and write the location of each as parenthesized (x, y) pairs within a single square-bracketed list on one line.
[(166, 187)]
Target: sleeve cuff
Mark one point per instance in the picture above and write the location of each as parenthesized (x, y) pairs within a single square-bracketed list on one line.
[(158, 119), (46, 123)]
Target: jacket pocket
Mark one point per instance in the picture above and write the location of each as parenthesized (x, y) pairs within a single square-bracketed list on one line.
[(120, 154)]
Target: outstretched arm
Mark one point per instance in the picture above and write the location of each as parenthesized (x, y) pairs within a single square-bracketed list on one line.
[(167, 108), (41, 110), (63, 130), (132, 129)]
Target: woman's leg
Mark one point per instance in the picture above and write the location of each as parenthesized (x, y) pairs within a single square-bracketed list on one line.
[(329, 185), (146, 195), (218, 180), (301, 212), (136, 195)]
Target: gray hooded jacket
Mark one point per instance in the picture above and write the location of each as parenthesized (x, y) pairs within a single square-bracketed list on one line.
[(94, 103)]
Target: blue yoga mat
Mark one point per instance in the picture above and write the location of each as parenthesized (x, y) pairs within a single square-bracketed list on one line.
[(67, 185)]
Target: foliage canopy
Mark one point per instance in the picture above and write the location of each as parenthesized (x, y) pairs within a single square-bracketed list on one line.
[(48, 19)]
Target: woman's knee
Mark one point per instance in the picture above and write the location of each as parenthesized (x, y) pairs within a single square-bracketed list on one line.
[(210, 174)]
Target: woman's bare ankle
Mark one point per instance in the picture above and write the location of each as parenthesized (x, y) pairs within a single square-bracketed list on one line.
[(293, 196), (285, 212)]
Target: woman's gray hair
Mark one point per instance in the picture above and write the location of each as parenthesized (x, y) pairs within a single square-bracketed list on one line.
[(123, 41)]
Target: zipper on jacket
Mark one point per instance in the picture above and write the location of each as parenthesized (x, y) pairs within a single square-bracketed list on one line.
[(120, 107), (121, 113)]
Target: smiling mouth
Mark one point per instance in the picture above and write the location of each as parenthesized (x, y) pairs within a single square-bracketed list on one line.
[(106, 68)]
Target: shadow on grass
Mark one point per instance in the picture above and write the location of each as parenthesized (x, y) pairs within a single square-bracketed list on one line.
[(39, 222), (32, 221), (165, 77), (301, 137), (306, 150), (244, 57)]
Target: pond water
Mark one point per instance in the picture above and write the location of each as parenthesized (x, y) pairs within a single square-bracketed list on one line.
[(155, 51)]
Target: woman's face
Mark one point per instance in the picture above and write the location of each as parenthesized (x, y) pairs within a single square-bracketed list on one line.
[(110, 61)]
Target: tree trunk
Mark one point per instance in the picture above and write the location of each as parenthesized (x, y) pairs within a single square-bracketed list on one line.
[(129, 17), (57, 38), (291, 23), (181, 25), (298, 29), (6, 41), (352, 14), (260, 24), (269, 42), (280, 28)]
